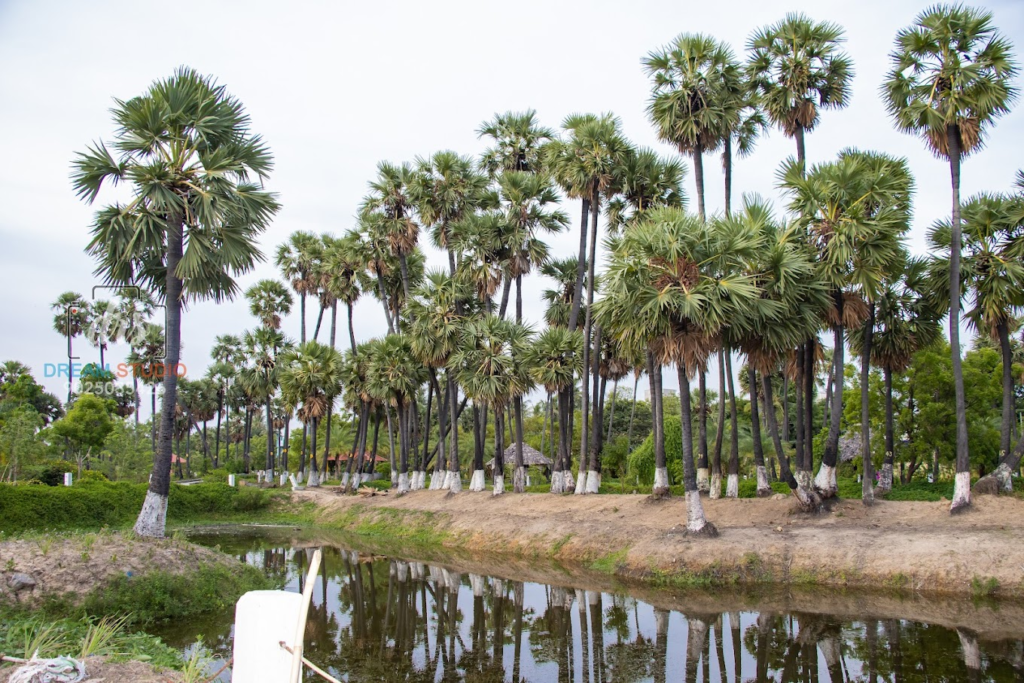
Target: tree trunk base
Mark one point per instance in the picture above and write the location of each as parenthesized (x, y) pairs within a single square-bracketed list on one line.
[(477, 482), (557, 482), (438, 479), (403, 482), (570, 481), (453, 482), (884, 480), (660, 489), (703, 482), (152, 520), (732, 486), (394, 478), (961, 493), (825, 483), (696, 523), (519, 480), (581, 482), (593, 481), (499, 484), (808, 499), (715, 488), (867, 495), (764, 489), (314, 479)]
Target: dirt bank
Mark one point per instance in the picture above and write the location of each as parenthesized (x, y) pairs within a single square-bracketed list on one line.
[(910, 546), (77, 564), (100, 670)]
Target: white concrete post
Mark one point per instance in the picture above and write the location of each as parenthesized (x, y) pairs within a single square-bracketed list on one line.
[(231, 480), (68, 478)]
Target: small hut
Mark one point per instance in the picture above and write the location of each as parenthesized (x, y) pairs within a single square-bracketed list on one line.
[(531, 458)]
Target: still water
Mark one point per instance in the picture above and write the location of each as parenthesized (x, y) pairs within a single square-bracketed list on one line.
[(382, 618)]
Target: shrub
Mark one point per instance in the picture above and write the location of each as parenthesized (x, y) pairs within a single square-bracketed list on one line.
[(92, 475), (251, 499), (52, 472), (384, 469), (641, 461)]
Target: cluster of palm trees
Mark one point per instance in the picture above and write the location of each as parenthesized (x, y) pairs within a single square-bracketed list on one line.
[(679, 287)]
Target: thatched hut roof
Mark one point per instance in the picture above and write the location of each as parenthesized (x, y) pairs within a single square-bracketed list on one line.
[(849, 447), (531, 457)]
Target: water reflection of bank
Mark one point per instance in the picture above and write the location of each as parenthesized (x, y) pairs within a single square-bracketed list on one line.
[(377, 618)]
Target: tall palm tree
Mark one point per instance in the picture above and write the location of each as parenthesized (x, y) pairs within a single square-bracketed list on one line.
[(261, 379), (103, 328), (992, 276), (185, 148), (344, 278), (392, 201), (268, 301), (226, 351), (310, 378), (71, 318), (554, 360), (906, 320), (673, 282), (221, 374), (644, 182), (133, 310), (146, 359), (394, 376), (517, 141), (951, 77), (559, 300), (855, 211), (798, 67), (587, 165), (689, 97), (297, 259)]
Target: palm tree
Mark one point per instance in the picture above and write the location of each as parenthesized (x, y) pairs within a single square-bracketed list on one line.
[(644, 182), (492, 373), (855, 211), (447, 188), (310, 377), (673, 282), (345, 278), (554, 360), (798, 68), (906, 320), (587, 165), (226, 354), (791, 302), (992, 275), (71, 319), (268, 301), (297, 259), (951, 78), (518, 140), (221, 374), (559, 300), (185, 148), (261, 379), (103, 328), (392, 201), (689, 97), (133, 310), (393, 377)]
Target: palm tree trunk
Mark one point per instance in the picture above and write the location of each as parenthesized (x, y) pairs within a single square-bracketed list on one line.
[(801, 151), (732, 486), (319, 321), (1006, 428), (885, 480), (587, 332), (403, 263), (785, 407), (287, 443), (391, 448), (611, 412), (809, 383), (152, 518), (632, 415), (581, 265), (314, 471), (403, 411), (498, 473), (270, 434), (802, 473), (519, 477), (660, 487), (302, 316), (519, 298), (727, 171), (152, 417), (327, 436), (696, 522), (698, 177), (703, 484), (763, 488), (867, 485), (220, 410), (807, 498), (453, 482), (506, 288), (716, 460), (137, 398), (351, 328), (825, 481), (593, 478)]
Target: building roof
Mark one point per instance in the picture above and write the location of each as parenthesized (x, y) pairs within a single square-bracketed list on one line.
[(531, 457)]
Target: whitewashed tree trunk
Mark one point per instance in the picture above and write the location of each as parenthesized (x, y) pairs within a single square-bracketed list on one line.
[(438, 479), (418, 571), (344, 480), (825, 481), (479, 584), (961, 492), (715, 491), (732, 486), (394, 478), (885, 479), (581, 482), (153, 517), (402, 571), (593, 481), (764, 489), (499, 484), (314, 479), (557, 482), (1003, 475), (660, 481), (454, 482), (436, 575), (808, 499), (696, 522), (660, 621), (477, 482), (403, 482), (972, 653), (703, 481), (519, 479)]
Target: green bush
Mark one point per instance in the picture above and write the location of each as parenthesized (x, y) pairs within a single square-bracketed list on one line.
[(378, 484), (641, 461), (384, 469), (51, 472), (251, 499), (92, 475), (219, 475)]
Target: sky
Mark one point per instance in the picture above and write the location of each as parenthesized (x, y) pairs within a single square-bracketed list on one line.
[(336, 87)]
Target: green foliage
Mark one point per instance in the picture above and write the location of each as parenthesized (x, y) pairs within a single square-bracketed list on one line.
[(52, 472), (382, 484), (641, 461), (115, 504)]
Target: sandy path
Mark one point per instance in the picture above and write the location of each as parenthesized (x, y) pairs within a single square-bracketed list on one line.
[(910, 545)]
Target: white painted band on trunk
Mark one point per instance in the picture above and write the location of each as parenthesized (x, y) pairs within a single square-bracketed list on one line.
[(581, 482), (478, 584), (477, 481), (499, 484), (660, 479), (152, 520), (344, 480), (593, 481), (715, 490), (885, 478), (402, 571), (695, 520), (824, 481), (972, 653), (660, 621), (1003, 476), (403, 482), (314, 479), (732, 486), (454, 481), (703, 482), (556, 482), (961, 490), (763, 487)]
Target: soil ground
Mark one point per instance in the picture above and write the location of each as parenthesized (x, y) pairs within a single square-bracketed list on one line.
[(99, 670), (79, 563), (911, 546)]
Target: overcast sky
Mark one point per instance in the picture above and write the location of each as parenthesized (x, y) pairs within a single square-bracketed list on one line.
[(335, 87)]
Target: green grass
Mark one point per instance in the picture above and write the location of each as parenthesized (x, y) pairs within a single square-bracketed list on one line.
[(610, 563), (414, 527)]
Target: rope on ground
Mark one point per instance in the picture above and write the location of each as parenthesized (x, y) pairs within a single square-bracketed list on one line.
[(56, 670)]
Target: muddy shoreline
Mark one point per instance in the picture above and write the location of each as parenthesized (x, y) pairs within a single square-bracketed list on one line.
[(913, 548)]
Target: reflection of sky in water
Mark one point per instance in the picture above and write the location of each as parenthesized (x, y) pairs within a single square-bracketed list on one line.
[(623, 645)]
